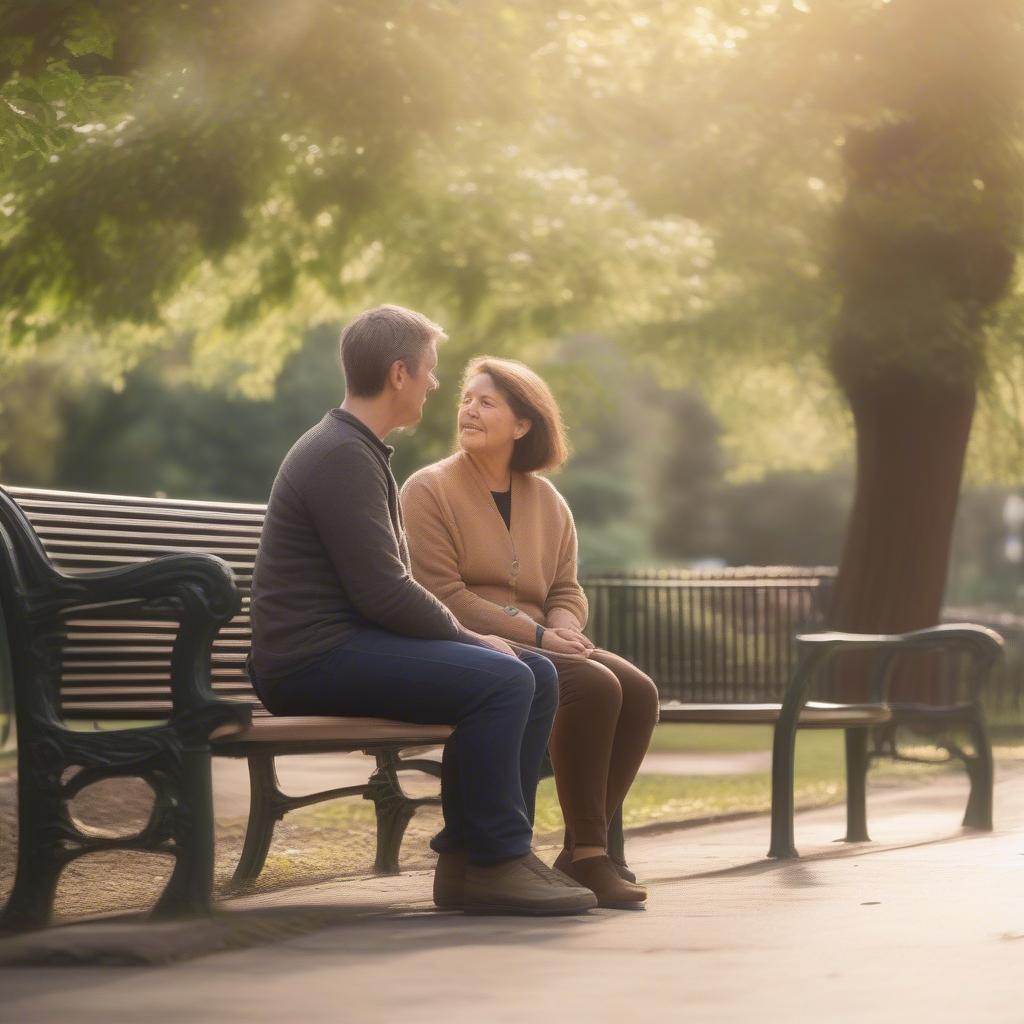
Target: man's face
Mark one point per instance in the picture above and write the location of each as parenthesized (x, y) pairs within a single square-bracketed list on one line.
[(419, 385)]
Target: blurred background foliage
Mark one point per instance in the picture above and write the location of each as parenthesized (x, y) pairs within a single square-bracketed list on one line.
[(644, 199)]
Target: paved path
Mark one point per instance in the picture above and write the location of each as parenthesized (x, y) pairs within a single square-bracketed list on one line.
[(926, 923)]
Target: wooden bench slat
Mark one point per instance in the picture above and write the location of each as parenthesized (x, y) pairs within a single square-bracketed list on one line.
[(814, 714), (49, 523), (119, 685), (159, 543), (186, 544), (133, 647), (138, 693), (356, 732), (81, 501)]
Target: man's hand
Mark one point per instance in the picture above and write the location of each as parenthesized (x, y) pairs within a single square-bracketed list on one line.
[(494, 643), (497, 644)]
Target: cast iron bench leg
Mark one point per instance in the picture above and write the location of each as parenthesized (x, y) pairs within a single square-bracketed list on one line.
[(981, 774), (857, 764), (265, 810), (394, 810), (41, 812), (190, 886), (783, 754), (181, 822)]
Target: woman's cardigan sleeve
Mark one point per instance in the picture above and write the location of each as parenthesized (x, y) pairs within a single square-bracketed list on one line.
[(565, 591), (435, 565)]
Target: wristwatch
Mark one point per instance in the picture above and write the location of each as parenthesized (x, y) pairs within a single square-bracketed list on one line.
[(540, 637)]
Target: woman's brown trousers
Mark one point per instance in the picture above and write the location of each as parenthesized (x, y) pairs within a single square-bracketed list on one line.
[(607, 710)]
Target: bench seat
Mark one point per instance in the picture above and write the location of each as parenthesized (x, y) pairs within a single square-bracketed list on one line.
[(813, 715), (311, 734)]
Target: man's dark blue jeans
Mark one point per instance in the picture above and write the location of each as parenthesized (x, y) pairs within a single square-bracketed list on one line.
[(501, 708)]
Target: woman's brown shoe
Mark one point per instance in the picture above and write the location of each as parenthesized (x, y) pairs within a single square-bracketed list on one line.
[(598, 874), (621, 867)]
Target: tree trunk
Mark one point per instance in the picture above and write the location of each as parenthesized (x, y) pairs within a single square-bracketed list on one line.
[(911, 442)]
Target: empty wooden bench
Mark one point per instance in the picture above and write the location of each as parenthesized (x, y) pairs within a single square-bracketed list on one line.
[(747, 646)]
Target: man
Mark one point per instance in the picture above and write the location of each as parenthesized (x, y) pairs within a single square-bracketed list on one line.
[(340, 627)]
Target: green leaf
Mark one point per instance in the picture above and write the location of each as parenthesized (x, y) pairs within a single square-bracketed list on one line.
[(92, 34)]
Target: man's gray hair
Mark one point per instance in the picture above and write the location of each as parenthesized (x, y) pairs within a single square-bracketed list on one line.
[(378, 338)]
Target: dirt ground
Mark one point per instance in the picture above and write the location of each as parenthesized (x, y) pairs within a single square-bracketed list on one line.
[(305, 850)]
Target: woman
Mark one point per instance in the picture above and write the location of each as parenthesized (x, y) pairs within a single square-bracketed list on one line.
[(497, 544)]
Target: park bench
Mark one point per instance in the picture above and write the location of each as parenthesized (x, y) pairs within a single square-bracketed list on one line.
[(747, 646), (115, 611)]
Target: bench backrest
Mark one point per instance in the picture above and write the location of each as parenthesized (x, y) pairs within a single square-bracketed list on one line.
[(116, 664)]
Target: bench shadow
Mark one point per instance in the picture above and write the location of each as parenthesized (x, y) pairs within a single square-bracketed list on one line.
[(133, 941), (788, 869)]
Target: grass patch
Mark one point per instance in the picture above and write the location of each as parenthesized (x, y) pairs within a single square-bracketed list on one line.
[(819, 773), (693, 738), (819, 780), (346, 812)]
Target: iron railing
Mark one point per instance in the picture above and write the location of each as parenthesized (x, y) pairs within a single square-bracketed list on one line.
[(725, 636)]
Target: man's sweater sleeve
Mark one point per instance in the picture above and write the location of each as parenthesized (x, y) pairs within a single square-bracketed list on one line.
[(435, 564), (347, 500)]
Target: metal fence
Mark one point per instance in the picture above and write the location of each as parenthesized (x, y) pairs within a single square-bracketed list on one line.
[(725, 636)]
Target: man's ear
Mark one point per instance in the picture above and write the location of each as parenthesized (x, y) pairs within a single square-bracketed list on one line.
[(522, 428), (397, 374)]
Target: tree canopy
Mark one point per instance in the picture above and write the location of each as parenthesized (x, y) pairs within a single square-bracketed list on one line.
[(712, 181)]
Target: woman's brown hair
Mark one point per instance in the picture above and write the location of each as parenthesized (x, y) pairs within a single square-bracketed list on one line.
[(544, 445)]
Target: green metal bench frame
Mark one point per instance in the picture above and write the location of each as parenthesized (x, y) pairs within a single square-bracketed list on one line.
[(173, 757), (815, 650), (56, 762)]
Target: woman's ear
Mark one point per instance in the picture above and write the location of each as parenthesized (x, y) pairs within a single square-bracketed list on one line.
[(522, 428)]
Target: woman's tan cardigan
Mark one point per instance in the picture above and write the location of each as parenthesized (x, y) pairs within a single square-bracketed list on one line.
[(463, 553)]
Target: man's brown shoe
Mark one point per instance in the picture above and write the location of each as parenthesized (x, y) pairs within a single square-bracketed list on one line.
[(449, 880), (599, 875), (522, 885)]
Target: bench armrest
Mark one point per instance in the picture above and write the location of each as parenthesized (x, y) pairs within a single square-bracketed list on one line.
[(205, 598), (983, 645), (188, 577)]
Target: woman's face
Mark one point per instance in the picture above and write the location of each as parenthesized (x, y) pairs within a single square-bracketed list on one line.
[(487, 424)]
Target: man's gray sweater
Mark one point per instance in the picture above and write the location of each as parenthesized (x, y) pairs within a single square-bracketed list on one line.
[(333, 554)]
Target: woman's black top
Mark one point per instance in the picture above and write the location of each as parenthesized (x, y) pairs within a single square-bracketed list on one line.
[(503, 499)]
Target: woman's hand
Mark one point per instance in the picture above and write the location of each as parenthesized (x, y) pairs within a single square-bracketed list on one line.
[(565, 641), (569, 633)]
